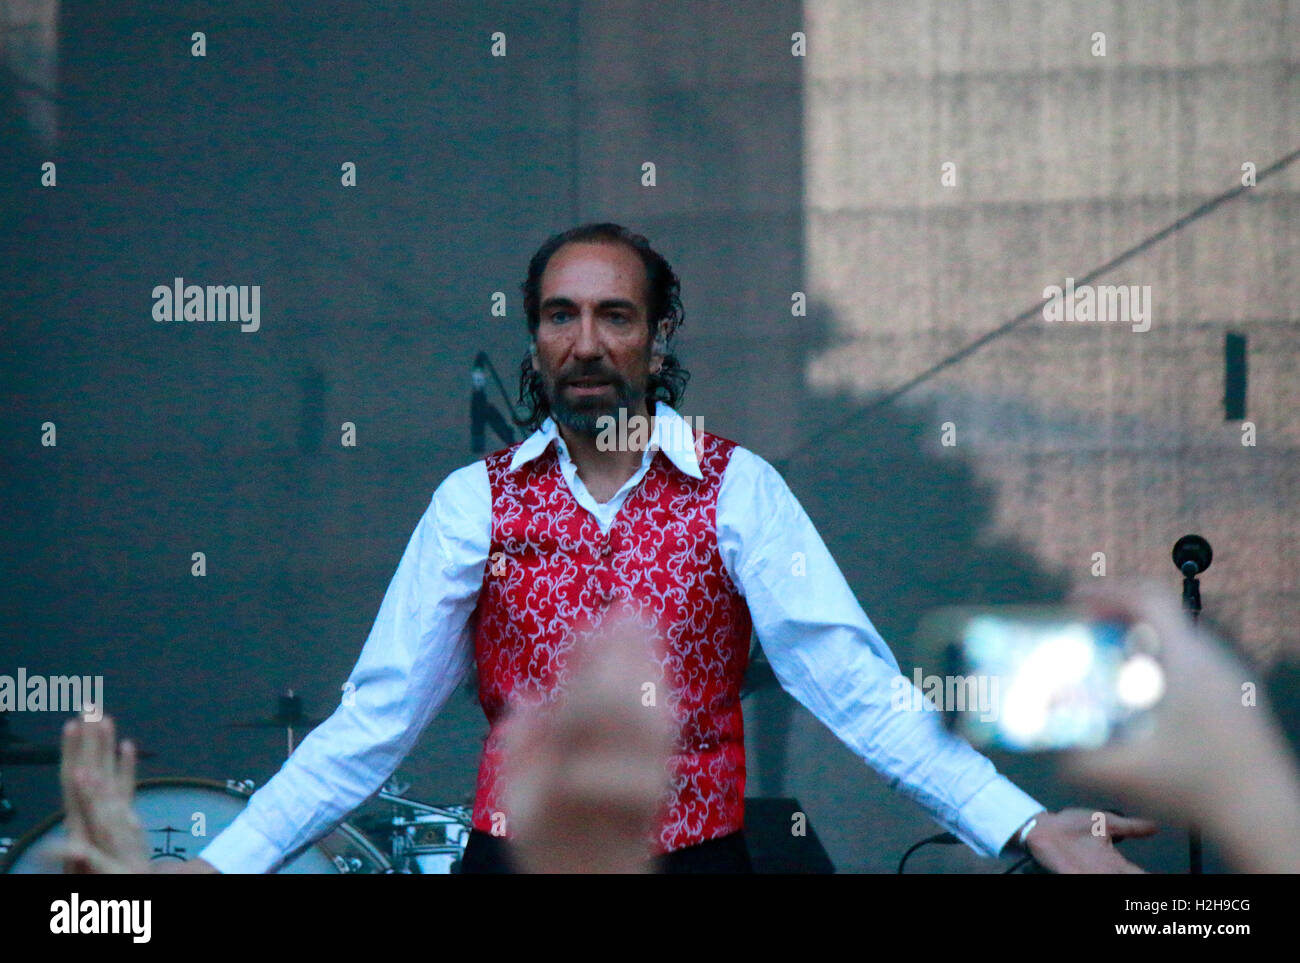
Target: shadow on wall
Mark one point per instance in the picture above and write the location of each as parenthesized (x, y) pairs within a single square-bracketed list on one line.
[(908, 522), (904, 518)]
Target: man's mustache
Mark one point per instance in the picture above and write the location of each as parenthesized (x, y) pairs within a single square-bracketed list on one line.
[(609, 376)]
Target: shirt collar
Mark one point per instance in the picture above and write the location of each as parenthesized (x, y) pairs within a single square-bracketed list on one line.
[(672, 434)]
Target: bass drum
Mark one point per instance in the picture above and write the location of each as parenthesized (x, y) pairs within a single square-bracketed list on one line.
[(181, 816)]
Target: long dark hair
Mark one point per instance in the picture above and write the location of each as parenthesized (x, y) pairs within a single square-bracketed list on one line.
[(668, 384)]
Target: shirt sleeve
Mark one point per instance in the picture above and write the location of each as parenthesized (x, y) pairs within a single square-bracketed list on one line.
[(417, 653), (826, 653)]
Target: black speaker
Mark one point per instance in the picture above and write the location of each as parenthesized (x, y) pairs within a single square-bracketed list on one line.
[(1234, 377), (781, 838)]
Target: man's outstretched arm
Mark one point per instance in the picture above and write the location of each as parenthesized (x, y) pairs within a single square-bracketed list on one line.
[(416, 655), (827, 654)]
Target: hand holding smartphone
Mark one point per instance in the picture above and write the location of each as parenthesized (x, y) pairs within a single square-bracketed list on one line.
[(1041, 678)]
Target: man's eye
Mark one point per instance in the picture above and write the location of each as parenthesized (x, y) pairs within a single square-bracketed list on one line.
[(559, 314)]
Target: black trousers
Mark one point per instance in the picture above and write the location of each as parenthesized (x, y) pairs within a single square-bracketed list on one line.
[(485, 853)]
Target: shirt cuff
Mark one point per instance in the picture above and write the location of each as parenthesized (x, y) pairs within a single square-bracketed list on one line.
[(242, 849), (993, 815)]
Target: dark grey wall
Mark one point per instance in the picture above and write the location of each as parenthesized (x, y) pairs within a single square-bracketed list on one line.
[(180, 438)]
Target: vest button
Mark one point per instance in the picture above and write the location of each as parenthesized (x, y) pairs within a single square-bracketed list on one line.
[(605, 549)]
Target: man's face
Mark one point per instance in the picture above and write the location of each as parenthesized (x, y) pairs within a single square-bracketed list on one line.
[(593, 343)]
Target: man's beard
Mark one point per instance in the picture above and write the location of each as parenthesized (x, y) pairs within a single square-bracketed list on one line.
[(584, 418)]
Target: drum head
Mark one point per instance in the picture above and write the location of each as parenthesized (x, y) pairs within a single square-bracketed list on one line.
[(181, 816)]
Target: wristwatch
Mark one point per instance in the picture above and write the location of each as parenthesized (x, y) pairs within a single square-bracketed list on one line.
[(1025, 830)]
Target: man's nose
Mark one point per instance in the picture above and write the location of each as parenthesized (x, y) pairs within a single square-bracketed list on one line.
[(588, 343)]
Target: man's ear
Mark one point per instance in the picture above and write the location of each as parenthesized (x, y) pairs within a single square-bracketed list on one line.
[(532, 353), (660, 347)]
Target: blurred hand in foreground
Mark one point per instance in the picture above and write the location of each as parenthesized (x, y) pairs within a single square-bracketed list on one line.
[(586, 777), (1211, 755)]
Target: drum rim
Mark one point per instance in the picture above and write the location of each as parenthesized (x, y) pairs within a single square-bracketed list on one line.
[(25, 841), (354, 836)]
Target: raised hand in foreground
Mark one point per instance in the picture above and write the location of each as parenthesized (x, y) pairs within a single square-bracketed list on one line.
[(586, 777), (98, 782), (1210, 756)]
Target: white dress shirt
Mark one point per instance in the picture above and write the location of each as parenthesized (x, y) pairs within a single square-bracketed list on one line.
[(822, 647)]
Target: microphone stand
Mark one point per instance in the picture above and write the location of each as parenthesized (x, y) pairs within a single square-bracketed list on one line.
[(6, 807), (482, 414), (1192, 555)]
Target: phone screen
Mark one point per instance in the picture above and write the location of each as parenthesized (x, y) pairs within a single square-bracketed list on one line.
[(1048, 679)]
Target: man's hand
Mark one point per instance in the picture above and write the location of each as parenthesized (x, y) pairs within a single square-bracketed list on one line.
[(104, 834), (1080, 841)]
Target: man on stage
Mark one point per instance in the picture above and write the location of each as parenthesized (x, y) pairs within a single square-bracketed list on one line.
[(693, 536)]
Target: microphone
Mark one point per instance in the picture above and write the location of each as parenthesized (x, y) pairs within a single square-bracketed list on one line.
[(477, 403), (1192, 555), (482, 413)]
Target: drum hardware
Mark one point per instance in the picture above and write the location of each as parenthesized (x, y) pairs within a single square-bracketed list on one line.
[(7, 811), (200, 809), (419, 838), (167, 850), (182, 814), (15, 751), (407, 837), (288, 716), (18, 753)]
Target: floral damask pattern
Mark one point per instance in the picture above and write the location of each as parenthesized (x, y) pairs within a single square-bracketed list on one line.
[(551, 575)]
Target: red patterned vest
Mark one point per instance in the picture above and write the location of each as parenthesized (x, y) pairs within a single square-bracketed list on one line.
[(559, 575)]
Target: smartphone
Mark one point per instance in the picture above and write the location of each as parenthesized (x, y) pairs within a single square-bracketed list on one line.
[(1039, 678)]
